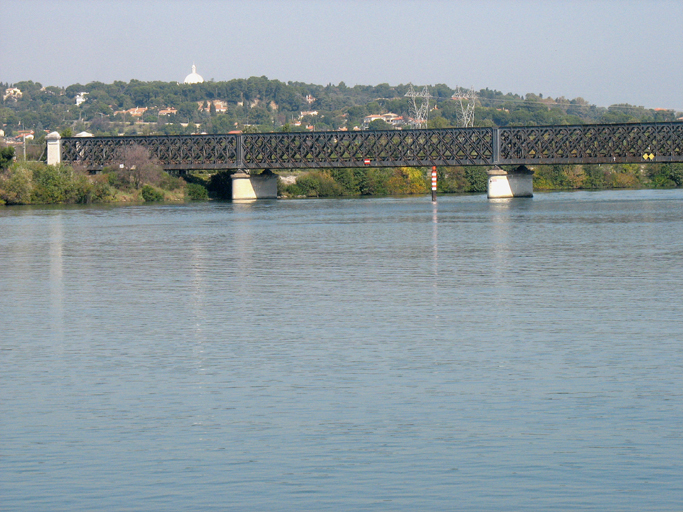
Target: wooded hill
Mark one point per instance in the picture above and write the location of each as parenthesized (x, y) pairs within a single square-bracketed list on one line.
[(260, 104)]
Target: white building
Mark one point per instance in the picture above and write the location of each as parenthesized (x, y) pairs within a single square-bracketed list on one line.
[(194, 77), (13, 93), (393, 119)]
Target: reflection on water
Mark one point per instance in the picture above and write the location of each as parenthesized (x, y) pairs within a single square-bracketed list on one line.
[(56, 293), (368, 354)]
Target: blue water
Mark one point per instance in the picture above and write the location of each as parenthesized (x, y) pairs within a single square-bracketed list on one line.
[(363, 354)]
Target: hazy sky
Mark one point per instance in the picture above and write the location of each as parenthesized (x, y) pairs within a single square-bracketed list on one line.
[(610, 51)]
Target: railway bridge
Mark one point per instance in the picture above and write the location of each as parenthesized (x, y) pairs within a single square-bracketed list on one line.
[(492, 147)]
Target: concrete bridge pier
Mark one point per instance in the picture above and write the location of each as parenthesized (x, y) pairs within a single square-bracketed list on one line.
[(517, 183), (247, 187)]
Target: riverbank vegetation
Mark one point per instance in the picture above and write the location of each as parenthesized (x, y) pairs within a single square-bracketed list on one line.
[(135, 178), (38, 183), (408, 180)]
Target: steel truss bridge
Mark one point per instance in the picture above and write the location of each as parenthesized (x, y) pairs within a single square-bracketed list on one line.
[(581, 144)]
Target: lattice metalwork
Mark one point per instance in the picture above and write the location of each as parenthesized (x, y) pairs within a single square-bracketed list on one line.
[(615, 143), (418, 114), (389, 148), (179, 152), (467, 100), (607, 143)]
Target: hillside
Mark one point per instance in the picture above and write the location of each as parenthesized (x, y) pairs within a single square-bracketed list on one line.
[(260, 104)]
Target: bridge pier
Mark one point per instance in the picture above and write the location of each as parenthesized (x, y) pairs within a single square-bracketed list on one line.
[(247, 187), (517, 183)]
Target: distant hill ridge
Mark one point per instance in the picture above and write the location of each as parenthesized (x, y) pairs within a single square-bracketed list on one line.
[(260, 104)]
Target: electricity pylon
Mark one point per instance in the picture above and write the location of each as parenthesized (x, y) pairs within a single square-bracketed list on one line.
[(418, 115), (467, 100)]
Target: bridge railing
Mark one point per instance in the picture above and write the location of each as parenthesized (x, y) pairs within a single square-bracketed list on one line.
[(617, 143)]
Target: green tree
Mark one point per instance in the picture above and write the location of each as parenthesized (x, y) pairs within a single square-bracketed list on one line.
[(438, 122), (666, 175), (476, 178), (6, 156), (379, 124), (16, 185)]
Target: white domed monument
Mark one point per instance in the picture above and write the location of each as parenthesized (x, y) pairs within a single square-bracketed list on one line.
[(194, 78)]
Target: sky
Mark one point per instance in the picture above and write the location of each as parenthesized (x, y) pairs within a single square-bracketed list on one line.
[(605, 51)]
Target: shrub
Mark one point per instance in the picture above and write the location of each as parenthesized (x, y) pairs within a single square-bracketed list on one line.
[(168, 182), (477, 179), (451, 179), (151, 195), (6, 156), (551, 177), (318, 184), (594, 177), (666, 175), (54, 184), (374, 181), (407, 180), (16, 185), (197, 192)]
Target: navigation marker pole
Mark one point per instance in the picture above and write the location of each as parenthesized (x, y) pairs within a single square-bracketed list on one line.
[(434, 184)]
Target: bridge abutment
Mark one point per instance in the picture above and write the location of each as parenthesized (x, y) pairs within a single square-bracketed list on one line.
[(502, 184), (247, 187), (54, 148)]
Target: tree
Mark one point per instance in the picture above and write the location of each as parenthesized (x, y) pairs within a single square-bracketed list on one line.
[(438, 122), (6, 156), (379, 124), (136, 167)]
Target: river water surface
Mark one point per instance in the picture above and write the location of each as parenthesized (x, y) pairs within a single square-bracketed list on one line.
[(363, 354)]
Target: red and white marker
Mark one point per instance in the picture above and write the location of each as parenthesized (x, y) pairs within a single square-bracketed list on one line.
[(434, 183)]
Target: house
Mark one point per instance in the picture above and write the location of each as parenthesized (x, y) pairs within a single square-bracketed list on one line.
[(393, 119), (12, 93), (80, 98), (135, 112), (167, 111), (25, 135), (220, 106), (308, 113)]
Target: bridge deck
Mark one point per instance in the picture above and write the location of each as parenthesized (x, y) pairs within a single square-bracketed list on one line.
[(606, 143)]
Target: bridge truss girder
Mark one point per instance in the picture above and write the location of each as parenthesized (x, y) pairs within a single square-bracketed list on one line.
[(583, 144), (617, 143)]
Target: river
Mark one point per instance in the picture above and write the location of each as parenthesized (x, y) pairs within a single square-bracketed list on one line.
[(352, 354)]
